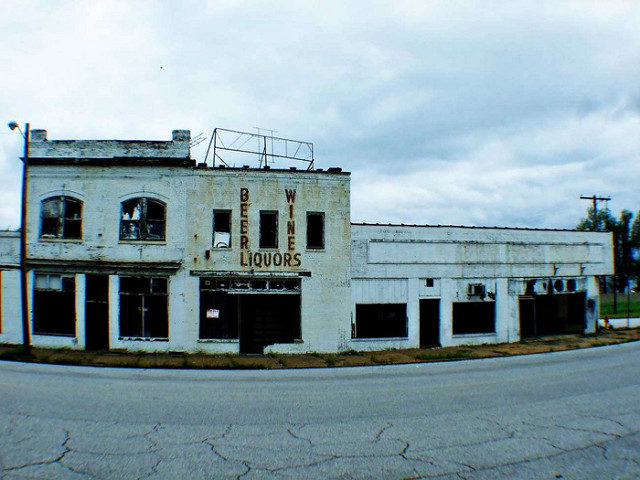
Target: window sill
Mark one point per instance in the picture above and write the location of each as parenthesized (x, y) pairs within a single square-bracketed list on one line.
[(60, 240), (64, 335), (142, 242), (380, 339), (315, 249), (472, 335), (144, 339), (218, 340)]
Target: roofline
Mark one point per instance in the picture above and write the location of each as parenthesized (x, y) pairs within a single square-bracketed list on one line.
[(185, 162), (534, 229)]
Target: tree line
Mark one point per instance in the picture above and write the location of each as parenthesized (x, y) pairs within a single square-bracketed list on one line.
[(626, 244)]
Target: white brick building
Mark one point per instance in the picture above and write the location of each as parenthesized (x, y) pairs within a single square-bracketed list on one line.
[(131, 245)]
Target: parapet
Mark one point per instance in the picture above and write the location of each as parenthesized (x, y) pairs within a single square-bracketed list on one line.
[(176, 148)]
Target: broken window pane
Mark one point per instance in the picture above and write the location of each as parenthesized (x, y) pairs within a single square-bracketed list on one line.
[(61, 218), (268, 229), (222, 228), (142, 219)]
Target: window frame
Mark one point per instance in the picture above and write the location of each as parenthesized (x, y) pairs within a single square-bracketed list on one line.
[(38, 324), (213, 239), (322, 233), (144, 222), (384, 309), (143, 311), (460, 318), (62, 220), (275, 214)]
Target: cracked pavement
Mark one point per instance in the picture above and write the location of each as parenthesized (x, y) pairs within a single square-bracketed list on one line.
[(565, 415)]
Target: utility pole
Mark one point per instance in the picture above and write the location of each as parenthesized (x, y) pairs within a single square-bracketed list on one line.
[(26, 335), (595, 199)]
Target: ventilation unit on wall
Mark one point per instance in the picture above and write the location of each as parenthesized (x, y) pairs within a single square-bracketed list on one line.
[(558, 286), (476, 291)]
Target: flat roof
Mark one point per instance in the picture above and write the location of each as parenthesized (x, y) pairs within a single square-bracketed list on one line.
[(535, 229)]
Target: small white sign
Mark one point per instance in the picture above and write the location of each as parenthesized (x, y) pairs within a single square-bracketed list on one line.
[(213, 313)]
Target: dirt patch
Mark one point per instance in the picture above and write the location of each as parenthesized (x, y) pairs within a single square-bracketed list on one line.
[(314, 360)]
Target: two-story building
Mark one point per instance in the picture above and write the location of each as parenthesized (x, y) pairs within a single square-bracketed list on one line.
[(132, 245)]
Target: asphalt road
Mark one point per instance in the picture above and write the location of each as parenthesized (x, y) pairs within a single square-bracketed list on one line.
[(569, 415)]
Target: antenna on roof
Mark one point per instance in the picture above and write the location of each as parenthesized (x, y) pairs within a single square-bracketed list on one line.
[(232, 144), (198, 139)]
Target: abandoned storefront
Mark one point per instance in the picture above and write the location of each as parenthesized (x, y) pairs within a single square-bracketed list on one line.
[(132, 245), (446, 285)]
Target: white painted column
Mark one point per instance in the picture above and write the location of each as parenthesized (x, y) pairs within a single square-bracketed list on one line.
[(447, 295), (593, 299), (81, 293), (413, 312), (114, 310), (503, 313)]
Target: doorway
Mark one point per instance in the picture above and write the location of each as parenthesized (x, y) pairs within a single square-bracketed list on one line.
[(96, 312), (266, 319), (429, 322)]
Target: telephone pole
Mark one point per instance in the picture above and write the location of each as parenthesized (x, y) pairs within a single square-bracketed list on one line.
[(595, 199)]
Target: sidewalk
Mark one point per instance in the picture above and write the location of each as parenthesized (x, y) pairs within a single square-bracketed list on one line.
[(621, 322), (349, 358)]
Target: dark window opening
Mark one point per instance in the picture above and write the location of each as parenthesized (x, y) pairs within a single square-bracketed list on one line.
[(473, 317), (315, 230), (218, 315), (54, 305), (61, 218), (142, 219), (268, 229), (143, 307), (552, 314), (222, 229), (428, 282), (381, 320)]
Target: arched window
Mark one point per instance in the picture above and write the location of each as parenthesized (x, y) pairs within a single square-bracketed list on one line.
[(61, 218), (142, 219)]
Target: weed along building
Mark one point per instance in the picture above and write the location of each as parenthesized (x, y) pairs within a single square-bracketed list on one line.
[(134, 245)]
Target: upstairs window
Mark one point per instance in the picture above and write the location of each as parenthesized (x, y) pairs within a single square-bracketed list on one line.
[(222, 229), (142, 219), (61, 218), (315, 230), (268, 229)]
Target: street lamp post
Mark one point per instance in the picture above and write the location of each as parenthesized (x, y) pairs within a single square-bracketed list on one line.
[(26, 335)]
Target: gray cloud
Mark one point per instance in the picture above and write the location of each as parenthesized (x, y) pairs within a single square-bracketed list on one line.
[(444, 112)]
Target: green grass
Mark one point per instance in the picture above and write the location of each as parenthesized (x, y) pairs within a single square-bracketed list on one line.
[(606, 305)]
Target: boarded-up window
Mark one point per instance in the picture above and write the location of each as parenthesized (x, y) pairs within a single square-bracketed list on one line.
[(380, 320), (473, 317), (222, 228), (54, 305), (143, 307), (61, 217), (315, 230), (142, 219), (268, 229)]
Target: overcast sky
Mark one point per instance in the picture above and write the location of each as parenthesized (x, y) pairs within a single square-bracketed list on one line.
[(475, 113)]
